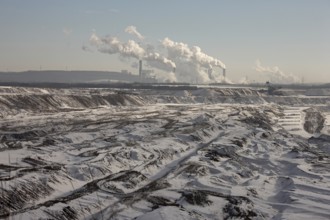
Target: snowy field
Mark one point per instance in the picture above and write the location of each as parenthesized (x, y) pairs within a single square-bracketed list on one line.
[(208, 153)]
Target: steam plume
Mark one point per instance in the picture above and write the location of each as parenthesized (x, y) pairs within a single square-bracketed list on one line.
[(275, 74), (191, 63), (160, 62), (132, 30), (182, 51), (112, 45), (130, 49)]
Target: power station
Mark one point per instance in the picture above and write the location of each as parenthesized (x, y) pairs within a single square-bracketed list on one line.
[(145, 75)]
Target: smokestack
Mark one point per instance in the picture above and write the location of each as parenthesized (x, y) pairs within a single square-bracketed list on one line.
[(224, 73), (140, 68), (174, 69)]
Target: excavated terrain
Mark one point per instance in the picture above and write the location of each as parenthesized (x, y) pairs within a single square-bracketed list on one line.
[(208, 153)]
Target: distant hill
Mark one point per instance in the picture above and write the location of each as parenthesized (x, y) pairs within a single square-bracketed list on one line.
[(58, 76)]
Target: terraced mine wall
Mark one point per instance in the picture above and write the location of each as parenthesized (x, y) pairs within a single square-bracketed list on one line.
[(20, 100), (14, 100)]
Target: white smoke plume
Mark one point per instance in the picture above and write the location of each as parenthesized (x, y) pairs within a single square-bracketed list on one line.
[(182, 51), (131, 49), (192, 64), (112, 45), (132, 30), (160, 62), (275, 74), (180, 61)]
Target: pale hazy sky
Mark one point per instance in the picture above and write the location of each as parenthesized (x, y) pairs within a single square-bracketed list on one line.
[(293, 35)]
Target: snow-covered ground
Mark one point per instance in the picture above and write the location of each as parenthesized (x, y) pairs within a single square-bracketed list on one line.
[(210, 153), (293, 120)]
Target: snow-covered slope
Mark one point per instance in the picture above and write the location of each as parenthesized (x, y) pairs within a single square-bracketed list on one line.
[(200, 154), (31, 100)]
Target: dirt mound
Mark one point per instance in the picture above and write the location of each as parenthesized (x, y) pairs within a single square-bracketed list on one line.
[(314, 121)]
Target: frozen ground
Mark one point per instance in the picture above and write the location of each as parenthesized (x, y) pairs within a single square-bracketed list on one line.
[(156, 154)]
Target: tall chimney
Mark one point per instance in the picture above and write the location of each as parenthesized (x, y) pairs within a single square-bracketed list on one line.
[(140, 68), (174, 69), (224, 73)]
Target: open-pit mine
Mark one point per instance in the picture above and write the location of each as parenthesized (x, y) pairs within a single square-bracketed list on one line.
[(180, 153)]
